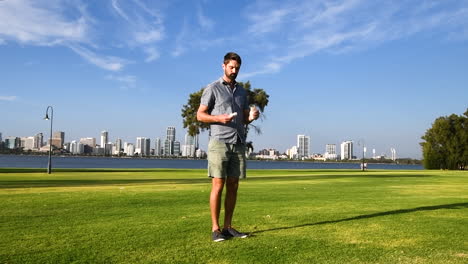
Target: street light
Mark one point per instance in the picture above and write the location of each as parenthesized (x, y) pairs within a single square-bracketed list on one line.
[(363, 144), (49, 166)]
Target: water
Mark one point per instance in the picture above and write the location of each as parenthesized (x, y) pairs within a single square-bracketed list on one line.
[(20, 161)]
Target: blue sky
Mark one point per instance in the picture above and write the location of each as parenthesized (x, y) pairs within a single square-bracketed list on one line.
[(380, 71)]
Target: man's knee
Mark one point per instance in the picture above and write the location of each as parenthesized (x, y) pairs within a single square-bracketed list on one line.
[(232, 183), (217, 185)]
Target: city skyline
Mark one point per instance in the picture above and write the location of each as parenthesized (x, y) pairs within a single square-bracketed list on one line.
[(374, 71), (143, 146)]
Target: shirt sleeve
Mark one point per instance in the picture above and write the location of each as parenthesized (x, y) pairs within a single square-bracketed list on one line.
[(207, 98)]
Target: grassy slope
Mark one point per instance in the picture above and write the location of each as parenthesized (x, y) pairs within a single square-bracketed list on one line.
[(295, 216)]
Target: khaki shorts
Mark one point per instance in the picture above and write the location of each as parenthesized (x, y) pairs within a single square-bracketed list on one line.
[(226, 160)]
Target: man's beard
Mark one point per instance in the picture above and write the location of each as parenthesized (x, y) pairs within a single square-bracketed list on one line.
[(232, 76)]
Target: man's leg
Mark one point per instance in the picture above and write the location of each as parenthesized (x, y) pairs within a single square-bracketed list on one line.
[(232, 184), (215, 201)]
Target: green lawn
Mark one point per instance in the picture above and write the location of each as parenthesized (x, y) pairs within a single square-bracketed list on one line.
[(294, 216)]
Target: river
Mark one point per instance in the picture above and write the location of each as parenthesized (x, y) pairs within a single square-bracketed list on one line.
[(26, 161)]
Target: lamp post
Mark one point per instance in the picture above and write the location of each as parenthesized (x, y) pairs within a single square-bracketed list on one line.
[(49, 166), (363, 144)]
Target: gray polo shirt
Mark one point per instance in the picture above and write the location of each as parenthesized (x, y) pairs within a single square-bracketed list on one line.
[(221, 99)]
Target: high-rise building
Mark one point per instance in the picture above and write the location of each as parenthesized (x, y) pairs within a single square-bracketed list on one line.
[(347, 150), (77, 147), (143, 146), (1, 137), (171, 146), (157, 147), (38, 141), (129, 149), (330, 152), (88, 144), (191, 145), (171, 134), (168, 147), (303, 146), (27, 143), (88, 141), (393, 152), (58, 138), (108, 148), (118, 146), (12, 142), (104, 138), (176, 151), (292, 152)]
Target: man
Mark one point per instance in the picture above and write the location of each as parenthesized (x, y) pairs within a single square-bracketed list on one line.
[(224, 105)]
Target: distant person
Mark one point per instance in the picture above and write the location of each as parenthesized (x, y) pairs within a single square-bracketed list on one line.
[(225, 107)]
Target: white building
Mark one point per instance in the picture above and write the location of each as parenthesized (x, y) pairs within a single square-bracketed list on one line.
[(292, 152), (76, 147), (330, 152), (393, 153), (157, 147), (191, 145), (117, 147), (142, 146), (27, 143), (88, 141), (104, 138), (347, 150), (303, 146), (129, 149)]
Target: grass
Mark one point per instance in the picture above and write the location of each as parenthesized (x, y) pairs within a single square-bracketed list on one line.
[(294, 216)]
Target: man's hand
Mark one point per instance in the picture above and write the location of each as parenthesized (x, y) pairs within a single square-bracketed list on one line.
[(224, 118), (253, 114)]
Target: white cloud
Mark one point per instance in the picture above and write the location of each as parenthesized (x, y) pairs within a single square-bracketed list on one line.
[(116, 6), (127, 81), (143, 25), (30, 22), (149, 36), (153, 54), (302, 28), (110, 63), (204, 22), (8, 98)]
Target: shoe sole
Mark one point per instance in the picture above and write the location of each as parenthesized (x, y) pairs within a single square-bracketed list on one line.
[(218, 240)]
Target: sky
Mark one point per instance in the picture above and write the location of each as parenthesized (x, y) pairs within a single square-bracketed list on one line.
[(372, 71)]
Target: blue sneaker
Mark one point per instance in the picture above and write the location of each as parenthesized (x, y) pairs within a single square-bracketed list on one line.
[(231, 232), (217, 236)]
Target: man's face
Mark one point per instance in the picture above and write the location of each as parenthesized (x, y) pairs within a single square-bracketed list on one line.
[(231, 69)]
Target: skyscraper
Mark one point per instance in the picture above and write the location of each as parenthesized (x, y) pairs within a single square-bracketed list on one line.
[(303, 146), (191, 145), (330, 152), (104, 138), (393, 152), (118, 146), (38, 141), (171, 146), (347, 150), (58, 138), (171, 133), (157, 147), (143, 146)]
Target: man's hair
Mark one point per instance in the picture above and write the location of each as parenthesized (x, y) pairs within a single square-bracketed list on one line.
[(232, 56)]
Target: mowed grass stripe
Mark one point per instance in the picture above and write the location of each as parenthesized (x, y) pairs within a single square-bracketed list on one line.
[(294, 216)]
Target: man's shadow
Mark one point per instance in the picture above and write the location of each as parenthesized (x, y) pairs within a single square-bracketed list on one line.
[(394, 212)]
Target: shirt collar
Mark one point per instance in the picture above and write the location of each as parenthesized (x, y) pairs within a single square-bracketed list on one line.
[(226, 83)]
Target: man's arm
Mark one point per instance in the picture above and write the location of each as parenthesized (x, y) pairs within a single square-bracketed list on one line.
[(247, 118), (203, 116)]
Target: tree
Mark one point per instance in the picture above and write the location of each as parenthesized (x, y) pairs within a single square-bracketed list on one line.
[(257, 97), (446, 143)]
